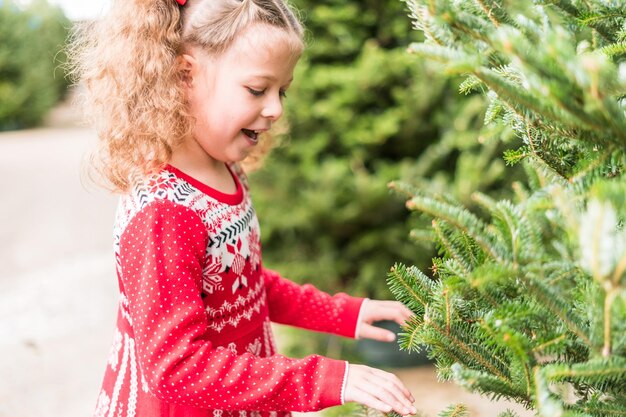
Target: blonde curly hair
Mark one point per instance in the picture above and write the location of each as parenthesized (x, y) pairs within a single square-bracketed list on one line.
[(128, 64)]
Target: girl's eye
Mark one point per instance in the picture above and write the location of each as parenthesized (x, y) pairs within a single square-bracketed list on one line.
[(256, 93), (259, 93)]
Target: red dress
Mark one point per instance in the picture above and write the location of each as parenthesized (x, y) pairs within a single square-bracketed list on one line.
[(193, 334)]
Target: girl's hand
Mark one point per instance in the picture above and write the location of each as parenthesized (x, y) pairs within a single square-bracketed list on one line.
[(378, 389), (374, 310)]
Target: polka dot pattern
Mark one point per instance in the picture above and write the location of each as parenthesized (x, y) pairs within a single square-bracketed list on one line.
[(309, 308), (193, 334)]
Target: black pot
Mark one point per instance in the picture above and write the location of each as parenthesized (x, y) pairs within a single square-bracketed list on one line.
[(388, 354)]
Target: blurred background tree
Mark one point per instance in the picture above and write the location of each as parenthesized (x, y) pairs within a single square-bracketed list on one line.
[(32, 80), (363, 112)]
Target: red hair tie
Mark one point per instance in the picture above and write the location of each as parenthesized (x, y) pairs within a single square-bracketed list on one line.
[(181, 2)]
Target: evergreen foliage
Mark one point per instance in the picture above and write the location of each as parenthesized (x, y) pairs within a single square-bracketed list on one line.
[(529, 300), (31, 77), (361, 113), (455, 410)]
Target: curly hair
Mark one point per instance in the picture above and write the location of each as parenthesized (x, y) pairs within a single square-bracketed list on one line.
[(128, 64)]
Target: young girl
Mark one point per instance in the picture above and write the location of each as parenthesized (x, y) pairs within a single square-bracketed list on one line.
[(181, 94)]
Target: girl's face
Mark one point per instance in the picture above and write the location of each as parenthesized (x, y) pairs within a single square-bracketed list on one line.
[(236, 96)]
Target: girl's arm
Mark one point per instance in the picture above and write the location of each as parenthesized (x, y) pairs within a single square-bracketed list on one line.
[(160, 263), (307, 307)]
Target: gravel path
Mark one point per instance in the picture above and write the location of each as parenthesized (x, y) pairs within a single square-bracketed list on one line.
[(57, 291), (57, 286)]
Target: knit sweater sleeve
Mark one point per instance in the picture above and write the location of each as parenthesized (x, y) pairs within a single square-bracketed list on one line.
[(307, 307), (160, 265)]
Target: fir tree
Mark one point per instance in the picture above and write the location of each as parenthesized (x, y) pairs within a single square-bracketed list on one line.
[(528, 300)]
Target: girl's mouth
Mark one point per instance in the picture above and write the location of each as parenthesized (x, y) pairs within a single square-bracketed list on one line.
[(251, 134)]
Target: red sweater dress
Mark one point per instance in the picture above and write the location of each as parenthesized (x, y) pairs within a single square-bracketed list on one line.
[(193, 335)]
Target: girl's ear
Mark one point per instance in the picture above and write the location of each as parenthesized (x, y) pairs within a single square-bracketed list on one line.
[(188, 65)]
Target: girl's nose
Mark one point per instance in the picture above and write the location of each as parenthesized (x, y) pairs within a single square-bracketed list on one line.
[(272, 108)]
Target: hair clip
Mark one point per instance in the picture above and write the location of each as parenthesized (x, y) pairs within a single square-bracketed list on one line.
[(181, 2)]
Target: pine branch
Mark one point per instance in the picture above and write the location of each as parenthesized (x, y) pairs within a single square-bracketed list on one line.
[(471, 353), (411, 286), (515, 231), (516, 312), (546, 173), (556, 272), (516, 96), (592, 165), (519, 345), (569, 8), (565, 5), (467, 25), (600, 373), (462, 219), (544, 347), (602, 409), (456, 410), (512, 93), (495, 108), (364, 411), (422, 18), (410, 337), (545, 402), (489, 385), (508, 413), (614, 50), (553, 302), (470, 84), (493, 282), (609, 298), (494, 12), (603, 21), (457, 252)]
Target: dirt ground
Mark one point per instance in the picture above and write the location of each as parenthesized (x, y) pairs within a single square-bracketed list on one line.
[(57, 288)]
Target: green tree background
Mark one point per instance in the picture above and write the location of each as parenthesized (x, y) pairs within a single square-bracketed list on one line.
[(31, 54), (363, 112)]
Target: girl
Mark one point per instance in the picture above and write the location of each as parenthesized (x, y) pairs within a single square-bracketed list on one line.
[(181, 94)]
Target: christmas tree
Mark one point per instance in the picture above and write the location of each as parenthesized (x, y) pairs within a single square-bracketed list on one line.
[(528, 298)]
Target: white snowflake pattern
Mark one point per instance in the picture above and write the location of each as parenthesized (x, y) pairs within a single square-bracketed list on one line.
[(239, 282), (237, 260), (255, 248), (161, 184), (103, 404), (114, 354), (211, 278)]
